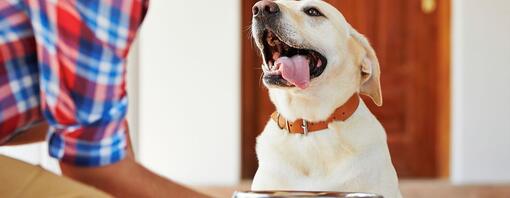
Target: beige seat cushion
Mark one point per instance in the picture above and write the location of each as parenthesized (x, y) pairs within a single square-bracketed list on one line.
[(19, 179)]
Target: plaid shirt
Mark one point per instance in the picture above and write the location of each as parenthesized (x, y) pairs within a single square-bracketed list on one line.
[(64, 61)]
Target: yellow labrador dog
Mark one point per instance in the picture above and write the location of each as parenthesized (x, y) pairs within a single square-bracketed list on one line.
[(322, 137)]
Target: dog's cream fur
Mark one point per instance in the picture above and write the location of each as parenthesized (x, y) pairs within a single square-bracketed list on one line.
[(348, 156)]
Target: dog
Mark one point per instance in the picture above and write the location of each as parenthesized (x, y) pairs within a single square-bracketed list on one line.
[(322, 136)]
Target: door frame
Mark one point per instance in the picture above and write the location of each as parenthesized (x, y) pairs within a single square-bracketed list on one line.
[(444, 90), (249, 110)]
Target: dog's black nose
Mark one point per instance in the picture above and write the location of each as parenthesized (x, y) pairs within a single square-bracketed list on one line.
[(265, 8)]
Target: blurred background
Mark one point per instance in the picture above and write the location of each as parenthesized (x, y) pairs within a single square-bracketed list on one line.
[(196, 102)]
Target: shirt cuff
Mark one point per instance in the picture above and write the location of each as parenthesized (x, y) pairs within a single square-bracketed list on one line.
[(84, 153)]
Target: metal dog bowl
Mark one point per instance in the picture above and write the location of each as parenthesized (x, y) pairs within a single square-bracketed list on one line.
[(302, 194)]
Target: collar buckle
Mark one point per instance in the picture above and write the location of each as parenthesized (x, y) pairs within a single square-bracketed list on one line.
[(305, 127)]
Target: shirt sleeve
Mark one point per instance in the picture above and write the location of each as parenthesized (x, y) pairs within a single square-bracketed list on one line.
[(82, 47)]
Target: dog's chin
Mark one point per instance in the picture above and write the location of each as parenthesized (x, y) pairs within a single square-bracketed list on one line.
[(276, 81)]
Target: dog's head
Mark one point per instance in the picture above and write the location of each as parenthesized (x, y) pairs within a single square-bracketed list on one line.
[(309, 49)]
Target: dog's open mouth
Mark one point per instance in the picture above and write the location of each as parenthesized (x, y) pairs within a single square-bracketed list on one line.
[(289, 66)]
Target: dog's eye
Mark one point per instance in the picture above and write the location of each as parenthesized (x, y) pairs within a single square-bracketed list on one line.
[(313, 12)]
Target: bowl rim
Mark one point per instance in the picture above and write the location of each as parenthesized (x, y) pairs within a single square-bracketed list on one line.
[(302, 194)]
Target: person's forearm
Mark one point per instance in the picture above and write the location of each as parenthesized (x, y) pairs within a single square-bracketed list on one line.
[(33, 135), (128, 179)]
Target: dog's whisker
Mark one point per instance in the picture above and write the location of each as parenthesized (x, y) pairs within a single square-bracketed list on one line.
[(247, 28), (251, 38), (261, 84)]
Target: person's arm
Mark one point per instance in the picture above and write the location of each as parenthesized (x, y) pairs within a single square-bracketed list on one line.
[(33, 135), (127, 178)]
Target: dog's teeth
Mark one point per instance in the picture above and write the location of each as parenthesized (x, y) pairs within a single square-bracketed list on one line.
[(271, 65), (274, 43), (277, 67), (271, 43), (276, 55)]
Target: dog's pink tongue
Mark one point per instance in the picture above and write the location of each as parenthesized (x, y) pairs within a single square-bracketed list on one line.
[(295, 70)]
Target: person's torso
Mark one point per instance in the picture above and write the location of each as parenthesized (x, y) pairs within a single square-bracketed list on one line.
[(19, 73)]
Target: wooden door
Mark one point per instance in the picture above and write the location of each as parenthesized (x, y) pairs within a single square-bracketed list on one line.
[(412, 46)]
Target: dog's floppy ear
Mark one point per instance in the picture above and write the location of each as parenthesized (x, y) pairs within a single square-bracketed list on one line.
[(370, 71)]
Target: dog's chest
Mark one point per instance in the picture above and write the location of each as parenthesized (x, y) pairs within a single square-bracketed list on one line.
[(348, 156), (317, 154), (326, 160)]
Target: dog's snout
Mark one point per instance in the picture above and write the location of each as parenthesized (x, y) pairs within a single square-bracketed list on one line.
[(265, 8)]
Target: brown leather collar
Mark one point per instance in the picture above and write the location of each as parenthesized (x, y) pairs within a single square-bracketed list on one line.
[(301, 126)]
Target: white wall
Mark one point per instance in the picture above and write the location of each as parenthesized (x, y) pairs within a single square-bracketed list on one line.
[(481, 91), (133, 82), (36, 154), (190, 90)]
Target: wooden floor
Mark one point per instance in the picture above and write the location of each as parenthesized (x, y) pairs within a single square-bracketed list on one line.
[(409, 188)]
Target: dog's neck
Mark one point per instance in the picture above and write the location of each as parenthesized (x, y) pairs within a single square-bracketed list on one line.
[(301, 126), (313, 107)]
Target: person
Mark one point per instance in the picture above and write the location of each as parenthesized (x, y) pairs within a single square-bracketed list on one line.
[(62, 78)]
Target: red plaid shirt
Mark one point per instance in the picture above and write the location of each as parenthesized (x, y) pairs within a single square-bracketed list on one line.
[(64, 61)]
